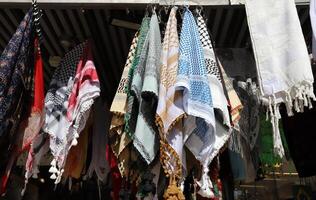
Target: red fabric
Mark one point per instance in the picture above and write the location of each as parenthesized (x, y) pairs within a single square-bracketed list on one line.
[(37, 107), (115, 173), (38, 103), (82, 77)]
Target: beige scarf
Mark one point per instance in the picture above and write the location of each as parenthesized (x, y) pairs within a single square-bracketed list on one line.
[(118, 137), (170, 110)]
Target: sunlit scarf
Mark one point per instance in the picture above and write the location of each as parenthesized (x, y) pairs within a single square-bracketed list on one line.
[(145, 85), (56, 104), (192, 75), (283, 64), (192, 78), (118, 138), (101, 120), (214, 76), (132, 104), (235, 105), (170, 108), (85, 90), (13, 71)]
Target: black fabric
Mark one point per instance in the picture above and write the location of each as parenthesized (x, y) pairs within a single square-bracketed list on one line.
[(300, 135)]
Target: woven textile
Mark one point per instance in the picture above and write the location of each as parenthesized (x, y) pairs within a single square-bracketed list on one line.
[(56, 101), (283, 65), (192, 75), (214, 76), (13, 71), (145, 85), (233, 99), (170, 108), (132, 104)]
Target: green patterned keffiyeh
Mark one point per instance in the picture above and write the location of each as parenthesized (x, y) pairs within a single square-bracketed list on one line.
[(145, 85), (132, 104)]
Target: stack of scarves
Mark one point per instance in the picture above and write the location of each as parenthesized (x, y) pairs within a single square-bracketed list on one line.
[(175, 80), (72, 91), (283, 65)]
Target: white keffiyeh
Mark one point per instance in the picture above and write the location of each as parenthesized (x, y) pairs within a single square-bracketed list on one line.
[(283, 65)]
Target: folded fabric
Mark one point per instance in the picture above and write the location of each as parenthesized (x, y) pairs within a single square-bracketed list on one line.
[(215, 80), (130, 116), (118, 107), (145, 85), (234, 102), (35, 120), (192, 80), (170, 110), (117, 136), (56, 102), (13, 72), (76, 159), (101, 120), (283, 65), (192, 75)]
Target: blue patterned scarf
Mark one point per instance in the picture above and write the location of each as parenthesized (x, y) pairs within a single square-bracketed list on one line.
[(192, 75), (13, 70)]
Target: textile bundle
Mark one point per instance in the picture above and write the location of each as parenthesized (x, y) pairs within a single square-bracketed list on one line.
[(283, 64)]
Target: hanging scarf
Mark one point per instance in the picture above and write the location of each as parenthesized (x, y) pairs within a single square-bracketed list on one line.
[(101, 121), (132, 104), (234, 102), (13, 72), (35, 120), (145, 86), (215, 81), (118, 107), (118, 138), (77, 156), (85, 89), (170, 111), (56, 103), (192, 78), (192, 75), (283, 64)]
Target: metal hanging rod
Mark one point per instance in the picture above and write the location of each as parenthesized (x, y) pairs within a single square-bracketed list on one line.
[(92, 3)]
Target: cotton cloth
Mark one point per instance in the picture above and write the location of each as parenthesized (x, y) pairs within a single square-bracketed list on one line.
[(56, 103), (130, 116), (233, 99), (101, 120), (192, 79), (283, 64), (77, 157), (215, 80), (170, 111), (145, 85), (192, 75), (35, 120), (117, 136), (13, 71)]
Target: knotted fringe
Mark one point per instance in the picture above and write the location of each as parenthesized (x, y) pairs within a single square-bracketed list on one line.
[(296, 98)]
